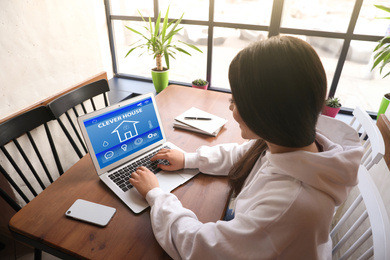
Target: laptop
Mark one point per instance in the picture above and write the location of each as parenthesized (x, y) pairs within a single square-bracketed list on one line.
[(120, 135)]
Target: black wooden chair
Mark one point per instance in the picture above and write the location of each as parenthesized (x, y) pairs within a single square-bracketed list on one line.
[(28, 159), (68, 107)]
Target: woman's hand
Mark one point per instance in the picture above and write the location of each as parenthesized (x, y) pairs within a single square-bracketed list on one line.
[(174, 157), (143, 180)]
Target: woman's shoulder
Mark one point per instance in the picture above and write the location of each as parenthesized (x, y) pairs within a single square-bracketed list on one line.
[(337, 131), (277, 196)]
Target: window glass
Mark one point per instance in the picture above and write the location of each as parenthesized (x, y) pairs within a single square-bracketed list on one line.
[(227, 43), (257, 12), (193, 10), (183, 68), (134, 63), (187, 68), (320, 15), (328, 50), (368, 23), (358, 85), (130, 7)]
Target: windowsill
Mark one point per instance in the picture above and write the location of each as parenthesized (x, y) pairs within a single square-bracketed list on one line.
[(346, 118), (121, 89)]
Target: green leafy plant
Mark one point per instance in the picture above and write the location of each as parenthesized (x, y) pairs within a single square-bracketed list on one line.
[(159, 42), (333, 102), (382, 50), (200, 82)]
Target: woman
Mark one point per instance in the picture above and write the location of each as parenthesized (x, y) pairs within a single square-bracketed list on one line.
[(286, 180)]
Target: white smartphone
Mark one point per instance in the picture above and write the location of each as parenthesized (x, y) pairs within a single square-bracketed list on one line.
[(91, 212)]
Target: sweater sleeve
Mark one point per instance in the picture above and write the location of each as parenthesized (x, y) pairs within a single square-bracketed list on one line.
[(183, 236), (216, 160)]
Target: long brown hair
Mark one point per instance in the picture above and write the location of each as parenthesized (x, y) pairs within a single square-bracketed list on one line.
[(241, 169), (279, 87)]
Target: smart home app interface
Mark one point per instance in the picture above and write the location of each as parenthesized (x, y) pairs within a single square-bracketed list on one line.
[(119, 133)]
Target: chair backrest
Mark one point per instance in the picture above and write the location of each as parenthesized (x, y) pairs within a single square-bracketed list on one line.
[(28, 159), (371, 137), (363, 230), (27, 149), (75, 103)]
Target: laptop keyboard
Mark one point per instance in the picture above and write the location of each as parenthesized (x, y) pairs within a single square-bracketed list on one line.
[(121, 177)]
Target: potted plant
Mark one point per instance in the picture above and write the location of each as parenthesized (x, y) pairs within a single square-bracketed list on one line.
[(200, 83), (332, 107), (158, 42), (382, 57)]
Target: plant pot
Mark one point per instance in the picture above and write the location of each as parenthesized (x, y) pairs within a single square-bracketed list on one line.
[(160, 79), (384, 104), (201, 87), (330, 111)]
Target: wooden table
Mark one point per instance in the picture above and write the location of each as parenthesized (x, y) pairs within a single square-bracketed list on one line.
[(42, 222)]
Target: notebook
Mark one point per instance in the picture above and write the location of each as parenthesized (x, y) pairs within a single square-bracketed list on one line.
[(189, 120), (119, 135)]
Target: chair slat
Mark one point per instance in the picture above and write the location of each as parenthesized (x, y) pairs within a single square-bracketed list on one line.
[(84, 109), (9, 200), (357, 244), (377, 226), (346, 215), (105, 100), (350, 232), (18, 171), (53, 149), (93, 104), (367, 158), (43, 164), (32, 169), (370, 135), (368, 254), (72, 142), (84, 97), (70, 121), (15, 186), (75, 111)]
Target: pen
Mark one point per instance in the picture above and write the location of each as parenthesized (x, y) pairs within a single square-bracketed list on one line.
[(196, 118)]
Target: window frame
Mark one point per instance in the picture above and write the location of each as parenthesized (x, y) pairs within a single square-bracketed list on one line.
[(273, 29)]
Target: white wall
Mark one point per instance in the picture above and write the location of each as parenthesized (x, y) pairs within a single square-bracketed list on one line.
[(47, 46)]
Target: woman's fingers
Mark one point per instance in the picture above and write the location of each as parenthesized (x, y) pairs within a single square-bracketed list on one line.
[(174, 157), (143, 180)]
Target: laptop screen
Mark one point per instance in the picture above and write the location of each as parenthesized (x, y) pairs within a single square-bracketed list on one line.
[(121, 132)]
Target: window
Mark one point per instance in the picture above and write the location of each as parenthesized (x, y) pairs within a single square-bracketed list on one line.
[(343, 32)]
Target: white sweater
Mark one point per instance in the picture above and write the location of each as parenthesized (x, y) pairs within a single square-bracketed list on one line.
[(284, 210)]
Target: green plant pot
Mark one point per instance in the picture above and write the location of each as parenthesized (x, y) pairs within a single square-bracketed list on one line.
[(160, 79), (384, 104)]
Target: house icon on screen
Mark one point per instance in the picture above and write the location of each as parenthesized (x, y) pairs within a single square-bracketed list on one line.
[(126, 130)]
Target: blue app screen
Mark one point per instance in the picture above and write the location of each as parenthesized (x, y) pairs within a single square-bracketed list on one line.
[(128, 129)]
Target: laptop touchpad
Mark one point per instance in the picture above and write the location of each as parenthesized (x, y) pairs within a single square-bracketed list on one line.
[(169, 181)]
